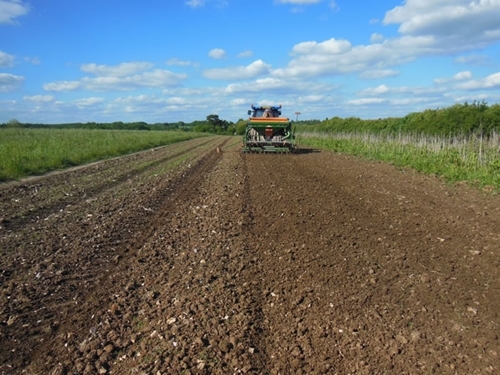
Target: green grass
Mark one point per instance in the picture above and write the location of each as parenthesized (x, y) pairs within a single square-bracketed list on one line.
[(27, 152), (472, 159)]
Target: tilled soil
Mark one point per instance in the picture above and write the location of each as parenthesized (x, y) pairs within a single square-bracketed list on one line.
[(197, 259)]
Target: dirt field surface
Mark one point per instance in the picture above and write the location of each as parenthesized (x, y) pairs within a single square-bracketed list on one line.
[(197, 259)]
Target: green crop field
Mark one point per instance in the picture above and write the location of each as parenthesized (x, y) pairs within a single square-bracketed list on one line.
[(26, 152), (459, 158)]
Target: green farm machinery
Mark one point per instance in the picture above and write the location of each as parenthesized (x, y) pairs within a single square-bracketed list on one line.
[(267, 131)]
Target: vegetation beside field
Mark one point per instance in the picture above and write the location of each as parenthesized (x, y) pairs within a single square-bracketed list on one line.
[(474, 158), (27, 151), (458, 143)]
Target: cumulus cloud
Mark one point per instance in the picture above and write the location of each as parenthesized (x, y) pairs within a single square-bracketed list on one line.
[(6, 60), (427, 27), (39, 98), (121, 70), (239, 101), (10, 10), (461, 76), (246, 53), (155, 78), (333, 5), (195, 3), (62, 86), (178, 62), (87, 102), (217, 53), (366, 101), (118, 79), (10, 82), (328, 47), (490, 82), (376, 38), (378, 73), (473, 60), (256, 86), (334, 57), (33, 60), (257, 68), (401, 90), (461, 21), (379, 90), (271, 84)]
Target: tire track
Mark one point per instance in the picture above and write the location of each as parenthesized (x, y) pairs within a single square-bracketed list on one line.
[(89, 276), (21, 218)]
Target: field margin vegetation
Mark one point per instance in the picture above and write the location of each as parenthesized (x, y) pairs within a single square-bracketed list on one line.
[(26, 152), (460, 143)]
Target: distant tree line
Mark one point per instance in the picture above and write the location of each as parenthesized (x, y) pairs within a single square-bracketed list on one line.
[(212, 124), (117, 125), (459, 119)]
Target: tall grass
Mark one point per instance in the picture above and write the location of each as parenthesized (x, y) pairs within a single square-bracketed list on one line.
[(25, 152), (456, 158)]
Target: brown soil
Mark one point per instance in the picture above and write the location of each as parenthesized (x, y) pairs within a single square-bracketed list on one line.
[(186, 260)]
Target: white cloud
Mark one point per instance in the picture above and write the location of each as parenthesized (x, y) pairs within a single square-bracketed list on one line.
[(410, 91), (471, 98), (121, 70), (378, 73), (217, 53), (258, 85), (9, 10), (335, 57), (33, 60), (10, 82), (376, 38), (117, 82), (257, 68), (330, 47), (310, 99), (333, 5), (461, 76), (176, 101), (490, 82), (366, 101), (276, 86), (195, 3), (178, 62), (461, 22), (155, 78), (239, 101), (87, 102), (6, 60), (40, 98), (246, 53), (62, 86), (382, 89), (408, 101), (473, 59)]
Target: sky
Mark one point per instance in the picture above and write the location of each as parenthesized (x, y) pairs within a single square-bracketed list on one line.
[(181, 60)]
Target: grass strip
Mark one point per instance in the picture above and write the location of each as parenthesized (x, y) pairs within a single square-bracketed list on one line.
[(27, 152), (471, 159)]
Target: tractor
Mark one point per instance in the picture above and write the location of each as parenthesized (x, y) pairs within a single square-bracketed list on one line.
[(267, 131)]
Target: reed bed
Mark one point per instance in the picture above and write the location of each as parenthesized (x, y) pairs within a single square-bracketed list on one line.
[(473, 158), (25, 152)]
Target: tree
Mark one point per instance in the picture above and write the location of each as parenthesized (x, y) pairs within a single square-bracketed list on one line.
[(14, 123)]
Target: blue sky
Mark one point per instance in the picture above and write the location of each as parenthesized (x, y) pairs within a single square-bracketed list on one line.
[(182, 60)]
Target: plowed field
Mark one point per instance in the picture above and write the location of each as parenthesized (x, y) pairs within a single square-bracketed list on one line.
[(197, 259)]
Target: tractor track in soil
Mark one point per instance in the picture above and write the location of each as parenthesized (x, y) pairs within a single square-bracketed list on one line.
[(197, 259)]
